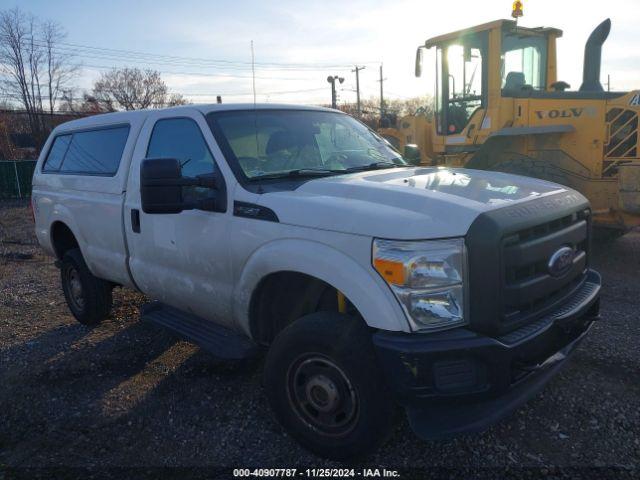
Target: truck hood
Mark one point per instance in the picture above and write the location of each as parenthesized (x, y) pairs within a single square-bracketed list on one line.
[(404, 203)]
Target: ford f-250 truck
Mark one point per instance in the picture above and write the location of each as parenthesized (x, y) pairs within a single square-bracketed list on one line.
[(454, 293)]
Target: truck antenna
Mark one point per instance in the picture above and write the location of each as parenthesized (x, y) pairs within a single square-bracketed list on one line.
[(253, 73)]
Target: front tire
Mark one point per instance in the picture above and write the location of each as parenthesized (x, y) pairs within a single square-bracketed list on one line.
[(88, 297), (324, 388)]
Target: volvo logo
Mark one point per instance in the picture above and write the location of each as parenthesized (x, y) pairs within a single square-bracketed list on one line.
[(561, 261), (567, 113)]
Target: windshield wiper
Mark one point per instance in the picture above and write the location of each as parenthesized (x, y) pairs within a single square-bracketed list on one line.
[(323, 172), (374, 166), (297, 173)]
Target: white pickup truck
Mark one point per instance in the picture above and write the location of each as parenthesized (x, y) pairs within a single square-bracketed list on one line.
[(454, 293)]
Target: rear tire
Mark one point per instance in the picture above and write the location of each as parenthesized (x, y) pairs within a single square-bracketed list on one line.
[(324, 388), (88, 297)]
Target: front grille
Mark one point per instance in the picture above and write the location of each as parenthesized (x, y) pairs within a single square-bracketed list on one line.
[(529, 290), (581, 296)]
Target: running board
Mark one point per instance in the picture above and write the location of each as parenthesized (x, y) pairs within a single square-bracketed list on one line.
[(219, 341)]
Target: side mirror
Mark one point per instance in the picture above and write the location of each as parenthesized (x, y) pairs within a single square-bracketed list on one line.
[(161, 183), (419, 56), (412, 154), (159, 190)]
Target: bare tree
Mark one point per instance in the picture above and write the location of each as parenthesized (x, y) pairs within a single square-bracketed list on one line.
[(82, 103), (91, 104), (176, 99), (36, 71), (60, 69), (18, 56), (134, 89)]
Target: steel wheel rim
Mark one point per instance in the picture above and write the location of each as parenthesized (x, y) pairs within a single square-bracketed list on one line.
[(75, 288), (321, 395)]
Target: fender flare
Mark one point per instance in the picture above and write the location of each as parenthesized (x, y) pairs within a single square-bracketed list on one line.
[(364, 289), (61, 214)]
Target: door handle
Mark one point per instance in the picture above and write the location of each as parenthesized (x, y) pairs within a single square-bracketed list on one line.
[(135, 220), (472, 127)]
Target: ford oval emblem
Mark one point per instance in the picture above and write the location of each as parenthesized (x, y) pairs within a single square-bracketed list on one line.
[(561, 261)]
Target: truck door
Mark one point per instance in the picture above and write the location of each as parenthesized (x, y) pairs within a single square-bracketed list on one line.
[(180, 259)]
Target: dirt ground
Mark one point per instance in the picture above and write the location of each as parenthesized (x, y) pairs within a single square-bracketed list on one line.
[(128, 394)]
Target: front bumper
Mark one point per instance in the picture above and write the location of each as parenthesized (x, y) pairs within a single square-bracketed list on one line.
[(459, 381)]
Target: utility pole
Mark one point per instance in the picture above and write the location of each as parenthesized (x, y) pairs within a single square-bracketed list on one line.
[(381, 93), (357, 71), (332, 80)]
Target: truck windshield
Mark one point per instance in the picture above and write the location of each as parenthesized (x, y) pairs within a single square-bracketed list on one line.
[(284, 143)]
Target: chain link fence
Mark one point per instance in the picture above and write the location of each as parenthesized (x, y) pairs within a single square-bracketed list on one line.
[(15, 178)]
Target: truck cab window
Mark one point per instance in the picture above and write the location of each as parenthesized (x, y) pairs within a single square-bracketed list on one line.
[(56, 153), (274, 143), (181, 138), (91, 152)]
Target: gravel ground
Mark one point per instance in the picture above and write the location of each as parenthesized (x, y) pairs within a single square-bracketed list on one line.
[(127, 394)]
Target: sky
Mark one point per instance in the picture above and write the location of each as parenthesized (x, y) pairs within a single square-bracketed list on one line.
[(203, 48)]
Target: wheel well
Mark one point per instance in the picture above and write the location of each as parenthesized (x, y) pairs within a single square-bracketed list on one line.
[(283, 297), (62, 239)]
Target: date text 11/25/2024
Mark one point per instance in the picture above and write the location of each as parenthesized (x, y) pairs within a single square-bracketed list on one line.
[(316, 473)]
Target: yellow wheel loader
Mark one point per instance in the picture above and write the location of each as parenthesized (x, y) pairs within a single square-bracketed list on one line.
[(500, 106)]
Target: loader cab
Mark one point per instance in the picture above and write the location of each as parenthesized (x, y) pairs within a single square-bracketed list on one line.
[(475, 68)]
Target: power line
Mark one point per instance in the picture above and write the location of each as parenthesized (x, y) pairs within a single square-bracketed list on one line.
[(211, 67), (198, 94), (111, 53), (218, 67), (210, 60), (210, 75), (309, 69), (203, 74)]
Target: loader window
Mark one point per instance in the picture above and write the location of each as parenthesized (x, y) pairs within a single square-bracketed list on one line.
[(462, 83), (523, 62), (465, 85)]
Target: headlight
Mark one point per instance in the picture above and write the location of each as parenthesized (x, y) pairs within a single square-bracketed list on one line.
[(428, 279)]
